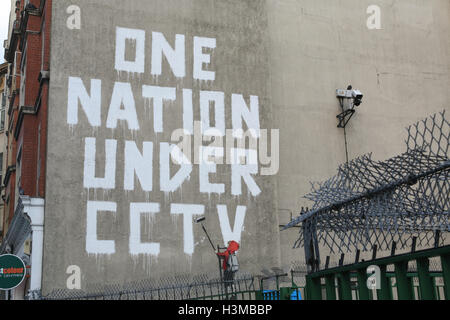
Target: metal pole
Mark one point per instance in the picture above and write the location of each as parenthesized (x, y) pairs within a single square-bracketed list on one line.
[(313, 288), (445, 262), (363, 291), (204, 229), (345, 290), (385, 292), (403, 284), (330, 287), (425, 281)]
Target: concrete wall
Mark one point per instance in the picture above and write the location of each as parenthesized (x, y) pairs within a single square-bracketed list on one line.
[(240, 62), (403, 69), (290, 54)]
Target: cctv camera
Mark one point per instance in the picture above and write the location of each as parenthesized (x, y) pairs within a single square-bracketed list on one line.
[(356, 94), (348, 99), (357, 97), (349, 94), (353, 96)]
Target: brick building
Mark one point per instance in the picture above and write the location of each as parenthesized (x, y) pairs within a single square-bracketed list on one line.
[(27, 54), (3, 137)]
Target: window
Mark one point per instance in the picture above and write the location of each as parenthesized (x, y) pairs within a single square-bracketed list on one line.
[(2, 119), (1, 167), (2, 112)]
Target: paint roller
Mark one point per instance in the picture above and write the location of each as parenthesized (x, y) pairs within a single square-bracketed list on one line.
[(200, 220)]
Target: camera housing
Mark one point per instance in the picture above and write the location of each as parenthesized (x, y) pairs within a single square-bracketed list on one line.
[(357, 97), (350, 93), (356, 94)]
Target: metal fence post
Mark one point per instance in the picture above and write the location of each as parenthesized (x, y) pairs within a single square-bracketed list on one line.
[(313, 288), (345, 290), (385, 293), (285, 293), (403, 283), (425, 281), (445, 263), (363, 291), (330, 288)]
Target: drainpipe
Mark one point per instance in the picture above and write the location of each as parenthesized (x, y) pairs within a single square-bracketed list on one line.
[(34, 209)]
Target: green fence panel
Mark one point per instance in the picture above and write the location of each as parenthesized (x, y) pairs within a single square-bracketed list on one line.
[(330, 287), (285, 293), (425, 281), (428, 289), (385, 291), (445, 263), (344, 286), (363, 291), (404, 285), (313, 288)]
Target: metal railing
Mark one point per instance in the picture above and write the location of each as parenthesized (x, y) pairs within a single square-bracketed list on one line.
[(243, 287), (350, 282), (198, 288)]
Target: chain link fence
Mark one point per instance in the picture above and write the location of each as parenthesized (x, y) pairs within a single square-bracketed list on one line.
[(201, 287)]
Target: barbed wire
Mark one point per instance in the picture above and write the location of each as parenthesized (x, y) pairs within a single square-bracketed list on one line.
[(369, 203)]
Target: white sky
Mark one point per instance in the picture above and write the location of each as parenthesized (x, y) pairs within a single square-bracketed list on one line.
[(5, 7)]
